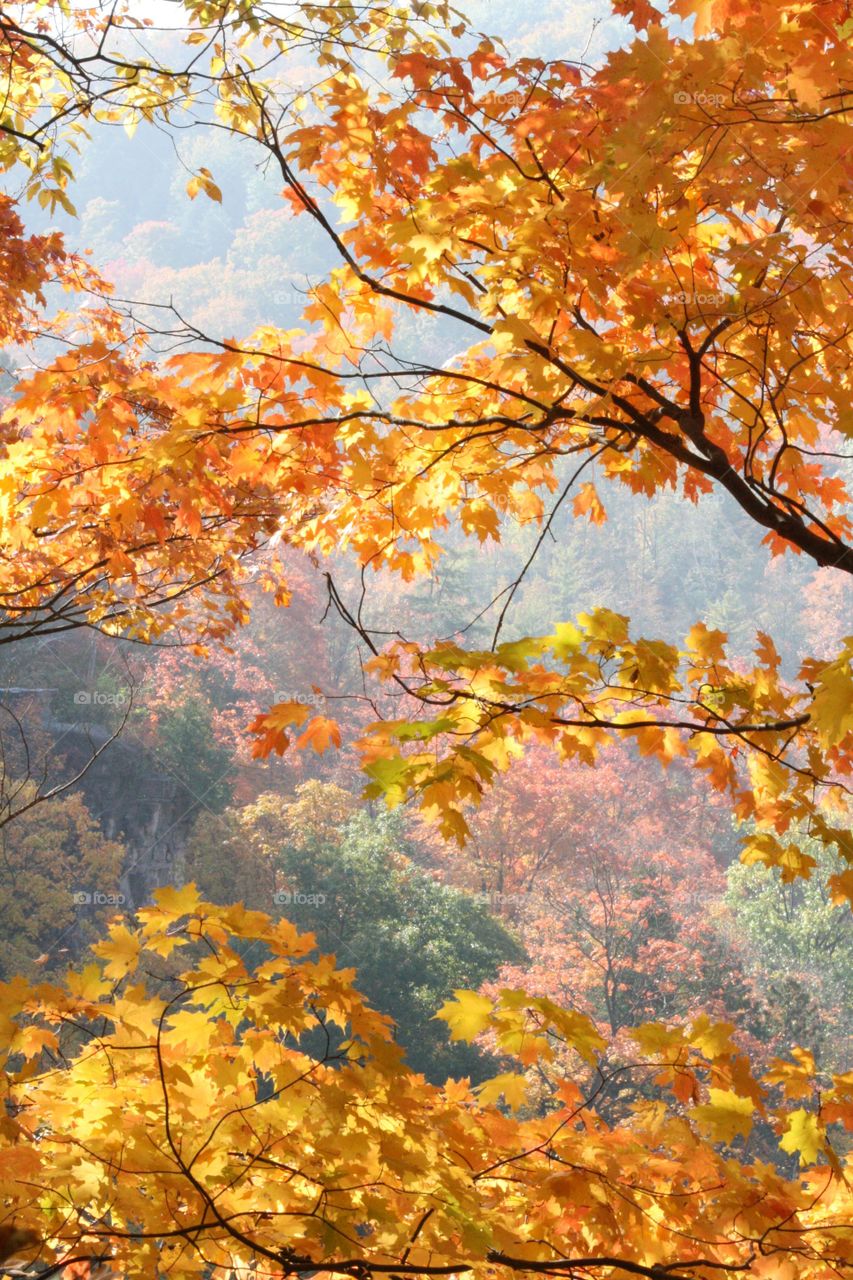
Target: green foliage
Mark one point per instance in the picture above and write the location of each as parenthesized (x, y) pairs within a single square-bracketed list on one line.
[(801, 948), (412, 940), (187, 748)]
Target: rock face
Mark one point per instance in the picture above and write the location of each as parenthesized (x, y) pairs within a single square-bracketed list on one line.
[(134, 800)]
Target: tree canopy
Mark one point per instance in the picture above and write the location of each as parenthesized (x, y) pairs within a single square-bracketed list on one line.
[(167, 1117), (670, 314), (351, 880), (546, 279)]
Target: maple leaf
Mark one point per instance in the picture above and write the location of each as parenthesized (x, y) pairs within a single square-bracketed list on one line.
[(841, 887), (805, 88), (320, 733), (177, 901), (566, 640), (796, 1078), (467, 1014), (832, 703), (270, 727), (792, 861), (480, 518), (725, 1115), (575, 1029), (804, 1134), (122, 949), (510, 1086), (640, 13), (706, 643), (588, 503), (33, 1040)]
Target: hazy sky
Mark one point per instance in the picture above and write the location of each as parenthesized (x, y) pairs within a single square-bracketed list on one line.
[(557, 28), (553, 28)]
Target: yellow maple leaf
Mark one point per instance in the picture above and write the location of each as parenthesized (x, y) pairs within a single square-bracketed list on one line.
[(177, 902), (796, 1078), (707, 643), (805, 1134), (511, 1086), (467, 1014), (832, 705), (121, 949), (725, 1115), (33, 1040), (789, 858)]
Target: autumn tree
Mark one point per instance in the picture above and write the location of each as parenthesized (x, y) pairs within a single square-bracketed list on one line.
[(351, 880), (195, 1123), (644, 329), (668, 318), (59, 883), (103, 524), (615, 880), (627, 937), (536, 829), (644, 266), (246, 852)]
